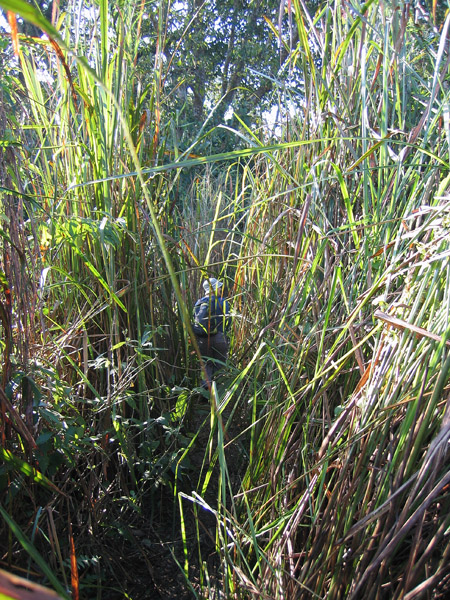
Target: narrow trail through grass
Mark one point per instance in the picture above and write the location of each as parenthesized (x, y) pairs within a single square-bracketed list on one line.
[(318, 466)]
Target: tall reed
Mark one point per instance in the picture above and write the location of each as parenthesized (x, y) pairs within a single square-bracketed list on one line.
[(322, 457), (343, 303), (101, 323)]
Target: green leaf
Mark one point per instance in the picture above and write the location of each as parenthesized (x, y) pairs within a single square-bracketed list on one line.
[(33, 553), (31, 14), (27, 469)]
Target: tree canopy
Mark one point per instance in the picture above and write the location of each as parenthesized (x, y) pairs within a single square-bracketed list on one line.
[(219, 57)]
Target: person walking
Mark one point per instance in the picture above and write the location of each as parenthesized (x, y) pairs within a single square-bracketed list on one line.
[(212, 320)]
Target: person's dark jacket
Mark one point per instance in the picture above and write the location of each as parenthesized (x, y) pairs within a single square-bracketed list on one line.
[(219, 312)]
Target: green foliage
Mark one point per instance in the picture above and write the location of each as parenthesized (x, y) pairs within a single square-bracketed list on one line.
[(329, 428), (222, 58)]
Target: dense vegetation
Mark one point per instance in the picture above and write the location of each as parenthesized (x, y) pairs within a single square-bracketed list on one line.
[(318, 465)]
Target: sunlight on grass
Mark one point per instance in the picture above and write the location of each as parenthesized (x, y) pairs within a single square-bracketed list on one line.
[(317, 465)]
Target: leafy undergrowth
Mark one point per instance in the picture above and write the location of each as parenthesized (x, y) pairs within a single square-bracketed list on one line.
[(318, 465)]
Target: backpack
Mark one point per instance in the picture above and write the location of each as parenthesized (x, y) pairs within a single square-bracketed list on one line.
[(206, 320)]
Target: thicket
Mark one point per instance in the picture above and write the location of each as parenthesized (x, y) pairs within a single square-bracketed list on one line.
[(318, 465)]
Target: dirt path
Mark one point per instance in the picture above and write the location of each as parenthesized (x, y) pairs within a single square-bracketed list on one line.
[(156, 544)]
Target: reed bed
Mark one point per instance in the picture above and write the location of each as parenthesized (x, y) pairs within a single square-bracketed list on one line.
[(318, 465)]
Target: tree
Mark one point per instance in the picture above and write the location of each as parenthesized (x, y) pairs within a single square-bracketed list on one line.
[(223, 55)]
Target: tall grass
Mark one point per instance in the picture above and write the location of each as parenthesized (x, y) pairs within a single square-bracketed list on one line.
[(322, 455), (345, 492), (105, 345)]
